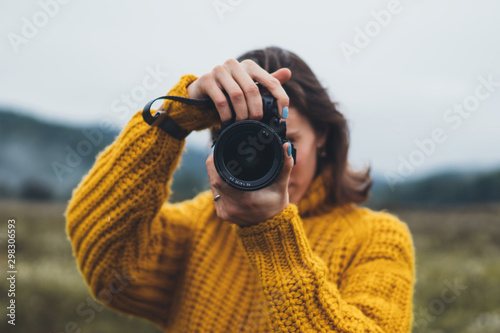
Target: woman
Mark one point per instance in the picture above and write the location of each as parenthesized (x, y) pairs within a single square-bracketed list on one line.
[(298, 255)]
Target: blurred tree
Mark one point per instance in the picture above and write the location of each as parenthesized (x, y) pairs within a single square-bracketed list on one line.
[(35, 189)]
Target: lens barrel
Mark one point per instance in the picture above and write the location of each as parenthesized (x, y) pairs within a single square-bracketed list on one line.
[(248, 155)]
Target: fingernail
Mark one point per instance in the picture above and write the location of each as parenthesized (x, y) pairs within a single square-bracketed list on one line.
[(289, 150), (285, 112), (211, 151)]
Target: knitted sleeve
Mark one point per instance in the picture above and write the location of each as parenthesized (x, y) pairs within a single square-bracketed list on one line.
[(128, 241), (374, 294)]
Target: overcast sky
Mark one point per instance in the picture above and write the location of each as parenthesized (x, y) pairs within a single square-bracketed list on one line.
[(396, 68)]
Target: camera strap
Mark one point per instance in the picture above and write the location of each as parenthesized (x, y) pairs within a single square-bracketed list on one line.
[(166, 123)]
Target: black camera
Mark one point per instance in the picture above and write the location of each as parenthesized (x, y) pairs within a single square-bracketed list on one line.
[(248, 154)]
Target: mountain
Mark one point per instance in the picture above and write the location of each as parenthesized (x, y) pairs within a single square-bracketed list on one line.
[(44, 161), (449, 188)]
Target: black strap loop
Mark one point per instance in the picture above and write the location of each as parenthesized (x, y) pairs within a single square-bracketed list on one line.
[(167, 123)]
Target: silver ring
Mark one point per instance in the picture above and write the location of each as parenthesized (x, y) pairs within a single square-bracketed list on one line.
[(216, 197)]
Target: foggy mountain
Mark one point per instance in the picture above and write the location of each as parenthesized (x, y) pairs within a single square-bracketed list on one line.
[(44, 161)]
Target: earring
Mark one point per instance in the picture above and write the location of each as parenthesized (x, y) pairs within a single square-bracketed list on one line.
[(322, 151)]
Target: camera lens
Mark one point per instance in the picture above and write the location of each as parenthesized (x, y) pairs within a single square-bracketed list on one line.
[(248, 155), (249, 158)]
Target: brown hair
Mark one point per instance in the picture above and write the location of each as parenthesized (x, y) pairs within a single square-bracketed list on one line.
[(311, 99)]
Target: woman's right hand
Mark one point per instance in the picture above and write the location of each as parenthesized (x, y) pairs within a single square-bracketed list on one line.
[(238, 80)]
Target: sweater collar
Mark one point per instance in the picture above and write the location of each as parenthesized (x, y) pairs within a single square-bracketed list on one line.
[(314, 198)]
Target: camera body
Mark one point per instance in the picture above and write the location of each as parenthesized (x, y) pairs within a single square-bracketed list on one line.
[(248, 154)]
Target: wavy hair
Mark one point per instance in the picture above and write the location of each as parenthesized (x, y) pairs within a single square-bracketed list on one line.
[(311, 99)]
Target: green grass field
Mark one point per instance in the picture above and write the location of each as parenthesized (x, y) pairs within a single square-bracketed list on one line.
[(457, 246)]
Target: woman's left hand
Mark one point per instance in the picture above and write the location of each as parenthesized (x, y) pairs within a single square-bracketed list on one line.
[(246, 208)]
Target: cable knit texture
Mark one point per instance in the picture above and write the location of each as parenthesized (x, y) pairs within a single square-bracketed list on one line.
[(334, 269)]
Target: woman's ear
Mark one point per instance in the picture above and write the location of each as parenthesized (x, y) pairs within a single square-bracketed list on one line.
[(321, 138)]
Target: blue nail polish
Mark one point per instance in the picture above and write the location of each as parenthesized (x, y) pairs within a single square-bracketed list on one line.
[(289, 150), (211, 151), (285, 112)]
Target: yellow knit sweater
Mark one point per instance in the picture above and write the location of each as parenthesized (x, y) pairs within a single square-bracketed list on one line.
[(310, 268)]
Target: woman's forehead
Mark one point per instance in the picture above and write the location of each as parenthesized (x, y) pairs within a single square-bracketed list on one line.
[(295, 118)]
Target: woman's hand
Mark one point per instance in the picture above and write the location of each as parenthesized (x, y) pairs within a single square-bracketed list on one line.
[(246, 208), (238, 80)]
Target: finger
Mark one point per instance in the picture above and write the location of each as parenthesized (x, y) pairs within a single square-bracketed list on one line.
[(284, 175), (249, 87), (215, 93), (237, 96), (282, 74), (217, 184), (270, 83), (213, 175)]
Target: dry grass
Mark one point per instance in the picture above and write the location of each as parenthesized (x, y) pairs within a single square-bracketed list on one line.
[(455, 244)]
